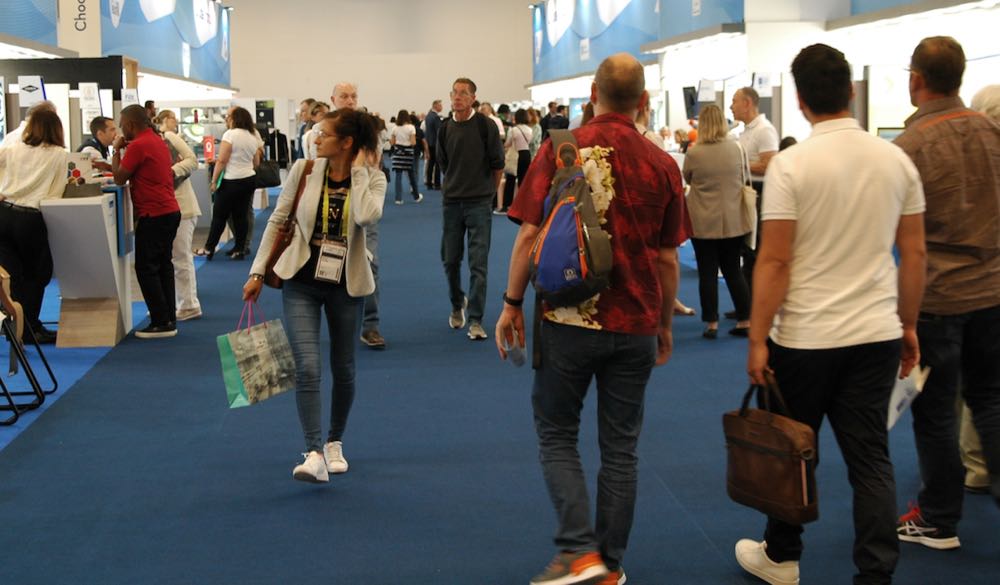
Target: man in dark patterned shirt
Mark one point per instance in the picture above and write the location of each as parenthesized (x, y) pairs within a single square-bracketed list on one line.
[(616, 336)]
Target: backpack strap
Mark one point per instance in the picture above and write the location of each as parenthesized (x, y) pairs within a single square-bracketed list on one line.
[(561, 138)]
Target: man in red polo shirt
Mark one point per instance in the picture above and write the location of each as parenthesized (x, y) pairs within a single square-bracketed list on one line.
[(615, 337), (148, 167)]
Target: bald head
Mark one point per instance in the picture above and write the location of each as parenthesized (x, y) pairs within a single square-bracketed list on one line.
[(345, 96), (619, 84)]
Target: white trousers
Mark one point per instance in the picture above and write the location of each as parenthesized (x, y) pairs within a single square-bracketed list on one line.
[(185, 284)]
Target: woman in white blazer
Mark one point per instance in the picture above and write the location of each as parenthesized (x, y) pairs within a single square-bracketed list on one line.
[(185, 164), (342, 195)]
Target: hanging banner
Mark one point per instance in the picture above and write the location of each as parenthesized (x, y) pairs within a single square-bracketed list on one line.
[(80, 26), (31, 90)]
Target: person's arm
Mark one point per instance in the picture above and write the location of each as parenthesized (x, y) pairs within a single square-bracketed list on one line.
[(121, 172), (770, 285), (510, 325), (413, 138), (221, 160), (257, 157), (367, 191), (760, 167), (668, 272), (495, 152), (912, 247), (189, 161)]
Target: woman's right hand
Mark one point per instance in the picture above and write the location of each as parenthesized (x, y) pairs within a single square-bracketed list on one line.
[(252, 288)]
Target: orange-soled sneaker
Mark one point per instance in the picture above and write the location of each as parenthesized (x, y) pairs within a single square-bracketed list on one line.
[(573, 568), (615, 578)]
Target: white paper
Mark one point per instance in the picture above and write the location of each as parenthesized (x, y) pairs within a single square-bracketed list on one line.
[(706, 90), (90, 98), (130, 97), (31, 90), (904, 392)]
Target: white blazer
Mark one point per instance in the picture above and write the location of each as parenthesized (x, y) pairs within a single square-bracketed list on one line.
[(366, 200)]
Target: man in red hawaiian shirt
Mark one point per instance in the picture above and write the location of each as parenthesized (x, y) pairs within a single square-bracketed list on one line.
[(617, 336)]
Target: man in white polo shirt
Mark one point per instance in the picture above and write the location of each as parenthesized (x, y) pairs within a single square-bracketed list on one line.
[(833, 316), (760, 141)]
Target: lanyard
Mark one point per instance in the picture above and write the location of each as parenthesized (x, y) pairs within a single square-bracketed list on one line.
[(326, 210)]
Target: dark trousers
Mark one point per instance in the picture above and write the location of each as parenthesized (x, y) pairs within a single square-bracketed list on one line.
[(251, 218), (25, 254), (154, 268), (571, 358), (963, 351), (232, 199), (851, 386), (710, 256), (432, 170), (472, 217), (750, 254), (369, 320), (523, 162)]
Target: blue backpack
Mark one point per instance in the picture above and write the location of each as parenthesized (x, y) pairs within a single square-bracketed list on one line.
[(571, 258)]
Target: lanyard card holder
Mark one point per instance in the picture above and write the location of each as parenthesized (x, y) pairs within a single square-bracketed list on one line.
[(331, 259)]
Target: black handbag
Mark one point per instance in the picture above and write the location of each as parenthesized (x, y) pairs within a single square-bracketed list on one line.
[(268, 174)]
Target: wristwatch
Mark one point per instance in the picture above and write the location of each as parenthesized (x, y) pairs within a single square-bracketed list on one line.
[(512, 302), (257, 276)]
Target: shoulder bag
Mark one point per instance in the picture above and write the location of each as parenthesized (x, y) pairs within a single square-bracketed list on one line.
[(286, 231), (749, 197), (771, 459)]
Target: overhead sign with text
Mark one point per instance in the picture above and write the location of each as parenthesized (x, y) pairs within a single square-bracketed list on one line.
[(189, 38)]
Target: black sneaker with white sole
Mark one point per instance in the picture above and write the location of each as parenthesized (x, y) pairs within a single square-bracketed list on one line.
[(157, 331), (913, 528)]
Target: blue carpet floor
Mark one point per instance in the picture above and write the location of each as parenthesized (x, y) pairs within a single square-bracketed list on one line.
[(140, 474)]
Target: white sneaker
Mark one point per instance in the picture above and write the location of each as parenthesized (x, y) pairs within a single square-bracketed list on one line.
[(333, 452), (751, 556), (420, 197), (313, 469), (188, 314), (456, 320), (476, 331)]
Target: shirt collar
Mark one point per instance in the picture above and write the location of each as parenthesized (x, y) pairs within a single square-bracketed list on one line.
[(612, 118), (935, 106), (756, 121), (835, 125)]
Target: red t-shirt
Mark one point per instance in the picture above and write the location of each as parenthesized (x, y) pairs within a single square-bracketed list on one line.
[(148, 159), (646, 214)]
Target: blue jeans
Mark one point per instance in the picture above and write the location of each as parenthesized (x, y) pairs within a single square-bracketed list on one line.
[(962, 351), (571, 357), (412, 174), (369, 320), (476, 218), (302, 304)]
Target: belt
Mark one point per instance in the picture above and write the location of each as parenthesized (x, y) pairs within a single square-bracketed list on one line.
[(11, 206)]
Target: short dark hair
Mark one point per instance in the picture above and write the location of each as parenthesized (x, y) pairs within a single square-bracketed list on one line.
[(242, 119), (822, 79), (521, 116), (751, 93), (360, 126), (786, 142), (97, 124), (149, 104), (941, 62), (137, 114), (43, 127), (466, 81)]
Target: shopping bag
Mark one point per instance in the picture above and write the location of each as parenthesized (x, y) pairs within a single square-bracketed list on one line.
[(257, 361), (904, 393)]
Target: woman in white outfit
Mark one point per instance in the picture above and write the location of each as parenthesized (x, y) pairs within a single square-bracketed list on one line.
[(185, 164)]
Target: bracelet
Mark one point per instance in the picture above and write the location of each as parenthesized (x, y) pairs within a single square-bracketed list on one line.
[(257, 277), (512, 302)]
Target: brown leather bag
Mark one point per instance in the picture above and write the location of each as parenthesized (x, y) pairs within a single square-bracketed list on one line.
[(771, 459), (285, 233)]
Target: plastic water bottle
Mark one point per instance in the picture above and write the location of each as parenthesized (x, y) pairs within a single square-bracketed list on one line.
[(515, 353)]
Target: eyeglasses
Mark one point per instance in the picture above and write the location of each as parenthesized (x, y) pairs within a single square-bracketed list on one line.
[(321, 134), (462, 93)]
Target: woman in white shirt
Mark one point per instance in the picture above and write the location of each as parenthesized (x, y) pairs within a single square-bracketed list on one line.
[(518, 140), (233, 182), (341, 195), (404, 141), (316, 113), (31, 170), (185, 163)]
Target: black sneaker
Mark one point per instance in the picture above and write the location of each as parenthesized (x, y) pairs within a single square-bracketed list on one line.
[(157, 331), (42, 335), (913, 528)]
